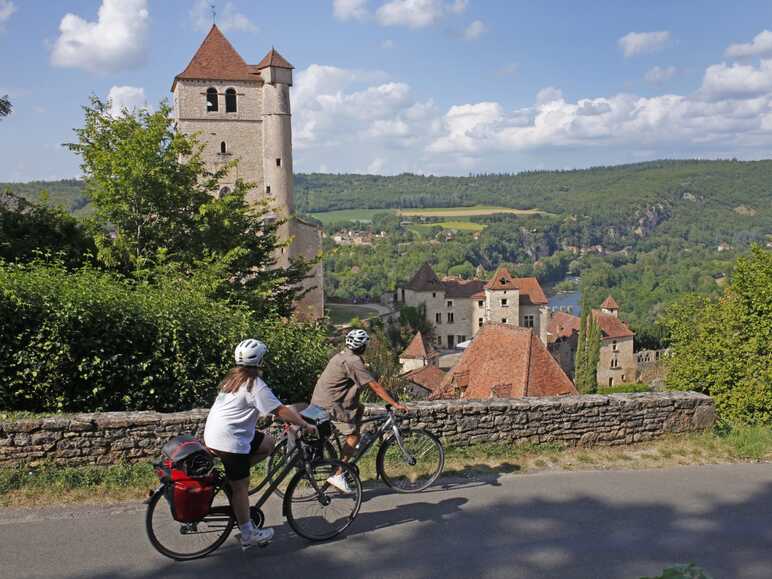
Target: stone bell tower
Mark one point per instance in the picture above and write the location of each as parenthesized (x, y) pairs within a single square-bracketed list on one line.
[(242, 111)]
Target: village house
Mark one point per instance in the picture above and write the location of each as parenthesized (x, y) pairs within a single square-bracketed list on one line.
[(505, 361), (420, 369), (617, 364), (460, 308)]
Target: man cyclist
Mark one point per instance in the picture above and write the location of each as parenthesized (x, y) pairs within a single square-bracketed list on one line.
[(337, 391)]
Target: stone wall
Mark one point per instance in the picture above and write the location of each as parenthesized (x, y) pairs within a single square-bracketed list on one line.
[(571, 420)]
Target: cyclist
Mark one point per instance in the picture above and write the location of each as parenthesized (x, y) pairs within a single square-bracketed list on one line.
[(230, 431), (337, 391)]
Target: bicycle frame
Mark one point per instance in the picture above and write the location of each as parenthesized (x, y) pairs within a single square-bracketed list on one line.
[(388, 423)]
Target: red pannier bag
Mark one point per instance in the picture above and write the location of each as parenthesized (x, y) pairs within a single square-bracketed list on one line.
[(186, 469)]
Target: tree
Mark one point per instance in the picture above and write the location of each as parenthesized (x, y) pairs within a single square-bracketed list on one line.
[(721, 347), (28, 229), (587, 353), (157, 205), (5, 106)]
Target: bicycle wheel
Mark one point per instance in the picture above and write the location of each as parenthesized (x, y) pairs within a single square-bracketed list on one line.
[(278, 458), (320, 515), (185, 541), (415, 468)]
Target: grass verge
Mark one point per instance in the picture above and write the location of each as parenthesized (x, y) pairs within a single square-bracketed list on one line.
[(48, 484)]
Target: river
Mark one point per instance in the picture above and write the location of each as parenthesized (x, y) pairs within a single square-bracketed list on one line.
[(566, 301)]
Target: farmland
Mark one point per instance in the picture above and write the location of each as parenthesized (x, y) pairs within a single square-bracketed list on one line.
[(454, 216)]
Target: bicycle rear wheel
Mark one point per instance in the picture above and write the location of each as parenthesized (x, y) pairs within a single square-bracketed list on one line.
[(278, 458), (322, 514), (415, 468), (186, 541)]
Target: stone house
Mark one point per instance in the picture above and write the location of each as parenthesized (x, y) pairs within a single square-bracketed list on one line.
[(617, 364), (241, 111), (505, 361), (420, 367), (459, 308)]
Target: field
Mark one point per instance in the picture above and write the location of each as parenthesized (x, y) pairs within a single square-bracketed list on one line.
[(457, 225), (459, 213), (344, 313)]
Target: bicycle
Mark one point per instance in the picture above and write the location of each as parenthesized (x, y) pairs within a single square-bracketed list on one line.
[(408, 460), (314, 509)]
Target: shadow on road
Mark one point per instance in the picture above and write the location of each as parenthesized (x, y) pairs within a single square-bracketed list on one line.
[(575, 535)]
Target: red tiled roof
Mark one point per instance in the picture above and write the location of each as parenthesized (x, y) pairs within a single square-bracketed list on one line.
[(530, 291), (425, 280), (611, 326), (273, 58), (430, 377), (461, 288), (505, 361), (478, 296), (216, 59), (418, 348), (562, 325), (609, 303), (501, 280)]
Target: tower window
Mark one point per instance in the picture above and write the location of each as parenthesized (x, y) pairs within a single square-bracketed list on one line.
[(278, 162), (211, 100), (268, 189), (230, 100), (223, 150)]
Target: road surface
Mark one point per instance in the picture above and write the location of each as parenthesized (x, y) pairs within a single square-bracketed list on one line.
[(602, 524)]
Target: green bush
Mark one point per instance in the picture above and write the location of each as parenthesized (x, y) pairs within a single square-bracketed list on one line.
[(92, 341), (690, 571)]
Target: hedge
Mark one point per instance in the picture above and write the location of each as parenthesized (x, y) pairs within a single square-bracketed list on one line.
[(89, 340)]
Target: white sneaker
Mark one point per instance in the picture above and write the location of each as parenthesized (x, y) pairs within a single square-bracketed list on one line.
[(260, 537), (340, 483)]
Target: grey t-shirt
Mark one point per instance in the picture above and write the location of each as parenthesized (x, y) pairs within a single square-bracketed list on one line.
[(337, 390)]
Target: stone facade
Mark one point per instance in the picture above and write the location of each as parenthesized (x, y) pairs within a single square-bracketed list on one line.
[(459, 308), (571, 420), (256, 131)]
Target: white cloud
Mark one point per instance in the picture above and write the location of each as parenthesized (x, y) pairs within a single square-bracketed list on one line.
[(7, 8), (475, 30), (126, 97), (761, 45), (660, 74), (737, 80), (350, 9), (227, 18), (116, 41), (636, 43), (548, 94), (416, 13)]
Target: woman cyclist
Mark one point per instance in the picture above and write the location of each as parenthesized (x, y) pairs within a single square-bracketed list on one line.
[(230, 431)]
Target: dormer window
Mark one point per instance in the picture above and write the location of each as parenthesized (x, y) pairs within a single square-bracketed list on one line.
[(211, 100), (503, 281), (230, 100)]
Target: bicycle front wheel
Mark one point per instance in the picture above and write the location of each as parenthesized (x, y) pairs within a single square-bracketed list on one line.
[(415, 465), (317, 510), (185, 541)]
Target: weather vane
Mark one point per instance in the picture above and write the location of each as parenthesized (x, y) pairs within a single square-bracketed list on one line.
[(214, 13)]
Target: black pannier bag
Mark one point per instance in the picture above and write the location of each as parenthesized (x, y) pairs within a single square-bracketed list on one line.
[(186, 469)]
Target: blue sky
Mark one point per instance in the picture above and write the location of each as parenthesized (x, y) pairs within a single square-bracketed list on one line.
[(428, 86)]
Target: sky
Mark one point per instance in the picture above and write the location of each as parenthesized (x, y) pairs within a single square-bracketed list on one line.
[(444, 87)]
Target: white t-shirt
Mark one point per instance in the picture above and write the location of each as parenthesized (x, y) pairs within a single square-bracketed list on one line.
[(230, 426)]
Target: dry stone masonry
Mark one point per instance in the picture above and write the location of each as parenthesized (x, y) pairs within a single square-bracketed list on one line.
[(108, 438)]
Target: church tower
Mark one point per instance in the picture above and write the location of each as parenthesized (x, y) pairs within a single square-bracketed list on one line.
[(242, 112)]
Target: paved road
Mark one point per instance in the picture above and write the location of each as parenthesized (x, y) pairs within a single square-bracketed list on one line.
[(588, 525)]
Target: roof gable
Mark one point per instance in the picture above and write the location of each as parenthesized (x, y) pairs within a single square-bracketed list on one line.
[(418, 348), (501, 280), (216, 59), (611, 326), (273, 58), (609, 303), (505, 361), (429, 377), (425, 280)]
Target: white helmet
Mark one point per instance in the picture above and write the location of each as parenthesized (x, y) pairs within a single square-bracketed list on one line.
[(355, 339), (250, 353)]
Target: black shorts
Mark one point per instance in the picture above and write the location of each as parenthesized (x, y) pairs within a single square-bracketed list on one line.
[(237, 465)]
